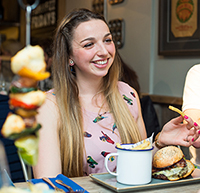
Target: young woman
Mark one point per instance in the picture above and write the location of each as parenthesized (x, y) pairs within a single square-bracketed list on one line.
[(89, 110)]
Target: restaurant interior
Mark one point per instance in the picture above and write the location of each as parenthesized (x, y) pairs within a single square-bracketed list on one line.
[(160, 76), (139, 29)]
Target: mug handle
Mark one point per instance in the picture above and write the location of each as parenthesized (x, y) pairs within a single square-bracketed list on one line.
[(106, 163)]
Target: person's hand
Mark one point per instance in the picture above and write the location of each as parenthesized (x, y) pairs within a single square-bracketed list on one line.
[(175, 132), (196, 144)]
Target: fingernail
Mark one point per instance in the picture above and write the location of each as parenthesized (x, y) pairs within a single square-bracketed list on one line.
[(199, 131), (192, 139), (195, 124), (186, 117)]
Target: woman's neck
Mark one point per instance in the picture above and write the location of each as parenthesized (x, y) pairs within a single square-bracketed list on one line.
[(88, 87), (89, 96)]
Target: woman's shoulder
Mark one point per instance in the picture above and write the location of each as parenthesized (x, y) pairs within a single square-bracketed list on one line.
[(193, 74), (51, 94), (50, 105), (194, 69), (51, 91), (50, 97), (125, 88), (127, 92)]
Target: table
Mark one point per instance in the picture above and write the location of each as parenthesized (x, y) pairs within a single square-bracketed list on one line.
[(93, 187)]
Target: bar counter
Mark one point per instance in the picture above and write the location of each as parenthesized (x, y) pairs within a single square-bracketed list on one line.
[(93, 187)]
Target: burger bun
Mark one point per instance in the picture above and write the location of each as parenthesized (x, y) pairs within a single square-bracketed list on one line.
[(190, 167), (167, 156)]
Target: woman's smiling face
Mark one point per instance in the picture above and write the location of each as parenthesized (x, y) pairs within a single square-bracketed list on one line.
[(93, 49)]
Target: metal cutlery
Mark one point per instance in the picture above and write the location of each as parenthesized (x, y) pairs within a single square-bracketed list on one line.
[(69, 187), (55, 187)]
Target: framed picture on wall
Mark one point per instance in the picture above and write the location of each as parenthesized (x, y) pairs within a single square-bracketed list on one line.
[(179, 28)]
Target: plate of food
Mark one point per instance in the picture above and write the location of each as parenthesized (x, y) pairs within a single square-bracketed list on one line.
[(169, 168)]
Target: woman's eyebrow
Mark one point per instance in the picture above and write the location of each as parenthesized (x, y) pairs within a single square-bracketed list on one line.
[(107, 34), (86, 39), (91, 38)]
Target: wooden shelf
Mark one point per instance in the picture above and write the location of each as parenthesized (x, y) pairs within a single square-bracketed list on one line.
[(165, 99), (5, 58), (8, 24)]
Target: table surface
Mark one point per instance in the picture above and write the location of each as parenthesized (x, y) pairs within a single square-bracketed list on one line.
[(94, 187)]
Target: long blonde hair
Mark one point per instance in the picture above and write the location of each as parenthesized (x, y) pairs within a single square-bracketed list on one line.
[(70, 128)]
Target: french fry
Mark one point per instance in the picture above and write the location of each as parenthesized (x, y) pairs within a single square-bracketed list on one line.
[(144, 145), (176, 110), (118, 145)]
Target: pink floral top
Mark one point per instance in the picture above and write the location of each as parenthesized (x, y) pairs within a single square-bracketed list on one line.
[(101, 134)]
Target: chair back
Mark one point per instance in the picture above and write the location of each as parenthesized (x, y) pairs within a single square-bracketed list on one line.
[(14, 163)]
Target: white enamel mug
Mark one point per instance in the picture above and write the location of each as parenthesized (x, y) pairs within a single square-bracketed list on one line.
[(134, 167)]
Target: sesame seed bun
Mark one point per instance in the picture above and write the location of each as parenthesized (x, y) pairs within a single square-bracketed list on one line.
[(167, 156)]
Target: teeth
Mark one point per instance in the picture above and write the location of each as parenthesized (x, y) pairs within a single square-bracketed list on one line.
[(101, 62)]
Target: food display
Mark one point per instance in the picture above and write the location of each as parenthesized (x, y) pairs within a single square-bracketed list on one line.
[(24, 101), (169, 163)]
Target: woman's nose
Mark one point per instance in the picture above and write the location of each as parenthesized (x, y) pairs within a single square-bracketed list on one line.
[(102, 50)]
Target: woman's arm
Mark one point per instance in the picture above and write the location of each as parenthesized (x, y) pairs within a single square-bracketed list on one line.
[(49, 163)]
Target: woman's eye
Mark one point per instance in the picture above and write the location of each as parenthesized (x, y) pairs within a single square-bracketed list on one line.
[(108, 40), (88, 45)]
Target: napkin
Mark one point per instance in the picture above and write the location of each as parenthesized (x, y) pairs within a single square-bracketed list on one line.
[(65, 179), (150, 139)]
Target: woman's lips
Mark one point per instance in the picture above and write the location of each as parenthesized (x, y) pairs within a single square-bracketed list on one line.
[(101, 63)]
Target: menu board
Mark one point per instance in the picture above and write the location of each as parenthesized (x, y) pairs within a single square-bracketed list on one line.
[(43, 18)]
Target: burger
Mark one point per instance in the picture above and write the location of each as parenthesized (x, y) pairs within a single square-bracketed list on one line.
[(169, 163)]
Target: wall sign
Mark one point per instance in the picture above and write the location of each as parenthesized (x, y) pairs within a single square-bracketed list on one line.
[(44, 17)]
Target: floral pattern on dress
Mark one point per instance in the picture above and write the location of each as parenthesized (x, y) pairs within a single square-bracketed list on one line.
[(128, 100), (91, 162), (104, 154), (99, 117), (105, 138)]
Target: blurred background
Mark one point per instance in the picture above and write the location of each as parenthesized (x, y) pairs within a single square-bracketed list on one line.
[(135, 28)]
